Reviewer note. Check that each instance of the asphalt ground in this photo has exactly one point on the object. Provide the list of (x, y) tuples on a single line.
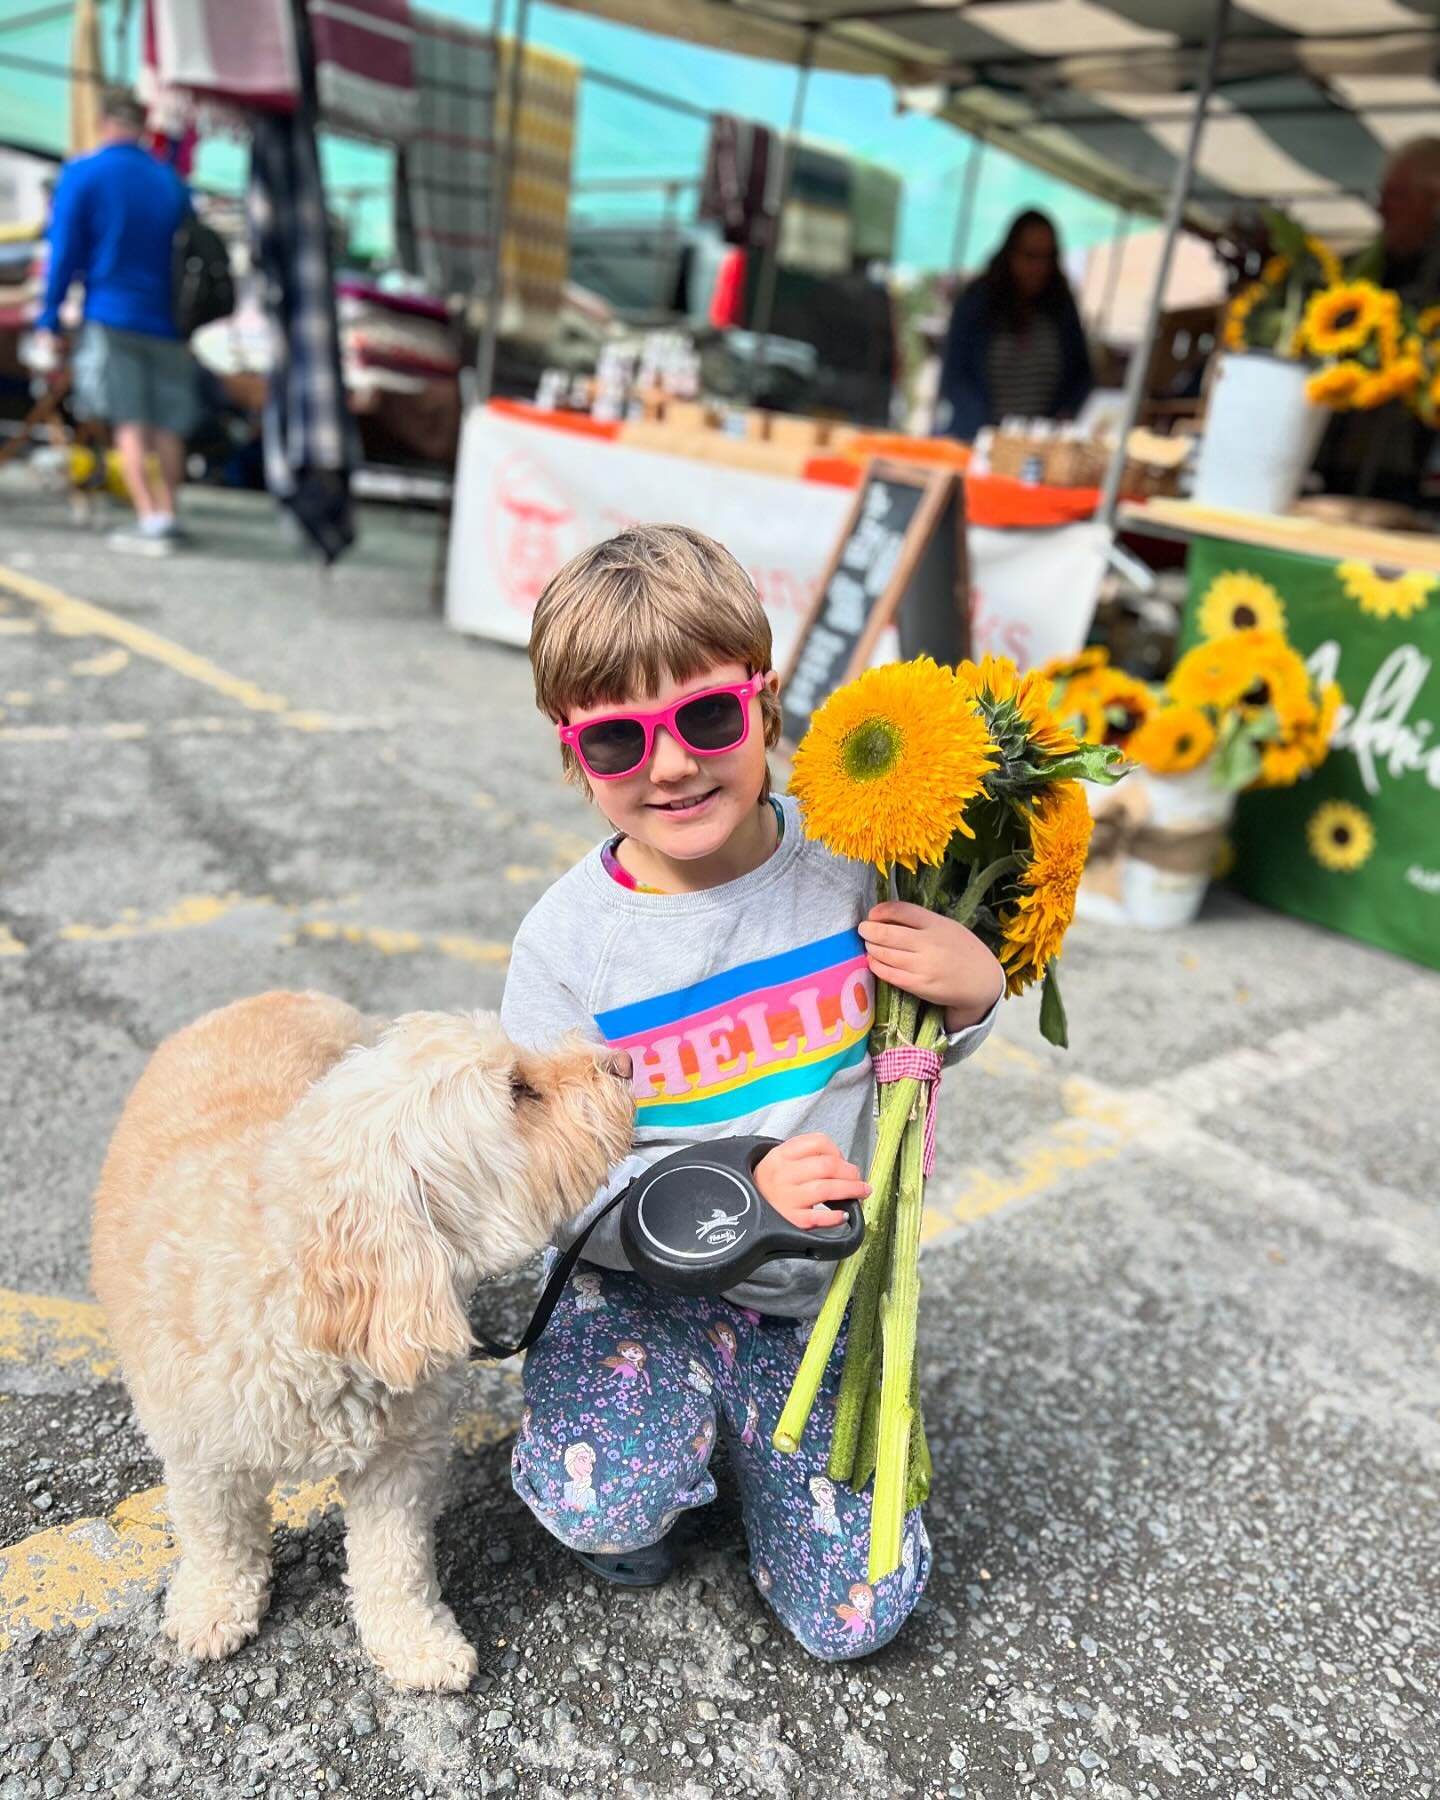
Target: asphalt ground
[(1179, 1328)]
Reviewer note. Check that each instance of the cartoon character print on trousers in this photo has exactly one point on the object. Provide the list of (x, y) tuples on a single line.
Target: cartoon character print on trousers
[(808, 1536), (589, 1291), (580, 1496), (628, 1362), (823, 1516), (726, 1344), (859, 1614)]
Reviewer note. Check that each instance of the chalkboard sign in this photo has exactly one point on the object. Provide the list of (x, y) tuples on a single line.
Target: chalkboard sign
[(899, 560)]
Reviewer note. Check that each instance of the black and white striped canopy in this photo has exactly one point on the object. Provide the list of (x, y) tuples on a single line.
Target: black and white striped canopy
[(1311, 98)]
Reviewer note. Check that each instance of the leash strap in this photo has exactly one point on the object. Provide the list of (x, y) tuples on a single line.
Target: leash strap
[(554, 1287)]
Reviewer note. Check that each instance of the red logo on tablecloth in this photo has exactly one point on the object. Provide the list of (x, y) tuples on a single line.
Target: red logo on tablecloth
[(533, 530)]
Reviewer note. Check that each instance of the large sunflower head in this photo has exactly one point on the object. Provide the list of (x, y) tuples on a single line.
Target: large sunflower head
[(1033, 926), (1279, 678), (1016, 708), (1341, 318), (889, 764), (1236, 601), (1173, 740)]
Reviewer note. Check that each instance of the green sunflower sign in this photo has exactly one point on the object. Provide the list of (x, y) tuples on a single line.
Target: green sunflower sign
[(1357, 845)]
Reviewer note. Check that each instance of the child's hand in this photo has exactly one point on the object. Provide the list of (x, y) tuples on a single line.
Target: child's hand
[(801, 1175), (925, 954)]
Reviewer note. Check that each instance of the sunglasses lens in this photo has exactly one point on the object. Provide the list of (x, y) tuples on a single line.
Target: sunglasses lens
[(711, 722), (613, 746)]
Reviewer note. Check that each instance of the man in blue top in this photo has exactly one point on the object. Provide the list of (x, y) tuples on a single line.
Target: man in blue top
[(113, 227)]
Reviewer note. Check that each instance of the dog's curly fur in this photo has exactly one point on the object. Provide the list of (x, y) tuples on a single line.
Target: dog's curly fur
[(294, 1209)]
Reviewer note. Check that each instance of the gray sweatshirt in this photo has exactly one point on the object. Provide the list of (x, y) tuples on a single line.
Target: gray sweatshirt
[(744, 1008)]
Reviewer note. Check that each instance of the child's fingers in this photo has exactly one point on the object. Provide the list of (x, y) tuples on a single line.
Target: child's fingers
[(900, 912), (814, 1218), (822, 1164), (890, 937), (896, 973), (807, 1144), (822, 1192)]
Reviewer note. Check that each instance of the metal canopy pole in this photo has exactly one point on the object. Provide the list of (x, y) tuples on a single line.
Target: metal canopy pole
[(965, 217), (1174, 219), (1112, 270), (485, 358), (770, 268)]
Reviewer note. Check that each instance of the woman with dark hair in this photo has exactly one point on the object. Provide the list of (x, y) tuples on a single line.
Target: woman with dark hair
[(1015, 347)]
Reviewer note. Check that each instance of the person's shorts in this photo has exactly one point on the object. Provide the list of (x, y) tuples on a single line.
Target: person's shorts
[(128, 378)]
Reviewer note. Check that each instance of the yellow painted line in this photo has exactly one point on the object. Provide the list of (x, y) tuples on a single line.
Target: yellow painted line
[(18, 627), (82, 618), (69, 1334), (108, 662), (210, 726), (10, 945), (188, 912), (392, 942), (76, 1574), (18, 697)]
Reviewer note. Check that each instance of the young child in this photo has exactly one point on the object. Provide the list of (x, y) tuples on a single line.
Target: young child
[(735, 961)]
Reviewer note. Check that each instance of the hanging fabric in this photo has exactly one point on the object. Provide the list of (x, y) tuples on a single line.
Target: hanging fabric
[(365, 67), (445, 180), (310, 440), (239, 55)]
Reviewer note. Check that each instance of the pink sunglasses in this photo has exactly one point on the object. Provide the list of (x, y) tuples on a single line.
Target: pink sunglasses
[(708, 723)]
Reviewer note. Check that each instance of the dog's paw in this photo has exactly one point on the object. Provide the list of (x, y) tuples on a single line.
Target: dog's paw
[(439, 1662), (209, 1639), (211, 1622)]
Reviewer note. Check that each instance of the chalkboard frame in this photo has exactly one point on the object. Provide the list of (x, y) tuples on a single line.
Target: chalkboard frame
[(941, 488)]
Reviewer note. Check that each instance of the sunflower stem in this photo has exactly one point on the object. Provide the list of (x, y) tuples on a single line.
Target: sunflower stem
[(964, 910), (899, 1316), (869, 1428), (861, 1343), (897, 1105)]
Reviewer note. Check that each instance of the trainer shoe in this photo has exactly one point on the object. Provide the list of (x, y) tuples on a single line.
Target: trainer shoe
[(133, 541)]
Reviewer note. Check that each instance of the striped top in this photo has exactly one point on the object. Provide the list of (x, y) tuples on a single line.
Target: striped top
[(1024, 369)]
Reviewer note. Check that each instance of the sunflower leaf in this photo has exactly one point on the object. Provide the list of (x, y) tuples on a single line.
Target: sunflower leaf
[(1091, 762), (1054, 1026), (1237, 760)]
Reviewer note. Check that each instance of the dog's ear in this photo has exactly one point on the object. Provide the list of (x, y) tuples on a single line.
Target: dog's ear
[(378, 1277)]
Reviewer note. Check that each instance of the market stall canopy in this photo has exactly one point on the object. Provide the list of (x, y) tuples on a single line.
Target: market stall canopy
[(1311, 95)]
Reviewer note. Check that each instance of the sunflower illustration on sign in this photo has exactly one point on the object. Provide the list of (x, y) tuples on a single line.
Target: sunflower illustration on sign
[(1236, 601), (1341, 836), (1386, 596)]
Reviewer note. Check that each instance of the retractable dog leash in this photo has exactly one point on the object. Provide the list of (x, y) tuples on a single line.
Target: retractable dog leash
[(695, 1223)]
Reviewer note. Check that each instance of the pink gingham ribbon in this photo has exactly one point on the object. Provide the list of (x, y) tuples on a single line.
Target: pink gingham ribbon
[(908, 1062)]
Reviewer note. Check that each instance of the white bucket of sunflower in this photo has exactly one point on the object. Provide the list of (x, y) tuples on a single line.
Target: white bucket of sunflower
[(1261, 434), (1156, 843)]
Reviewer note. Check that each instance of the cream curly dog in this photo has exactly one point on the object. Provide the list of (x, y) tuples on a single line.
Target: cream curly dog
[(294, 1209)]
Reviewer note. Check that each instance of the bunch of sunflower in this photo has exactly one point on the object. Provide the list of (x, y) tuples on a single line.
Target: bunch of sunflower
[(962, 787), (1272, 723), (1242, 702), (1364, 340)]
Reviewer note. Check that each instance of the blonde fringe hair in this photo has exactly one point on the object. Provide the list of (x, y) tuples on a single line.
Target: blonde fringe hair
[(656, 601)]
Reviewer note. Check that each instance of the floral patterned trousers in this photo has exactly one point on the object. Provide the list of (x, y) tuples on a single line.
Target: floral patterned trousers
[(623, 1397)]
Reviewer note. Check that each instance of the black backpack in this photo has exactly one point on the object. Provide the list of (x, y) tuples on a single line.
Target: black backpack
[(202, 289)]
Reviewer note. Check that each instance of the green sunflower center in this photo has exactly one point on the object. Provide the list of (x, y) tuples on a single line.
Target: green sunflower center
[(872, 749)]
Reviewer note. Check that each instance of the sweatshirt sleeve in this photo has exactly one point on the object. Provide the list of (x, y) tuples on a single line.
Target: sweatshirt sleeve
[(68, 239)]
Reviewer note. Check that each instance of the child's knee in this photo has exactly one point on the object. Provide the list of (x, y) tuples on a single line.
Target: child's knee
[(597, 1491)]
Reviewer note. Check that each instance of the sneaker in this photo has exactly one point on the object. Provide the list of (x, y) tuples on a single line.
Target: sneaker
[(135, 542), (645, 1567)]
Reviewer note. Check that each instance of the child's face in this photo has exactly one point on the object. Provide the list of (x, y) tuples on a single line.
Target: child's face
[(681, 805)]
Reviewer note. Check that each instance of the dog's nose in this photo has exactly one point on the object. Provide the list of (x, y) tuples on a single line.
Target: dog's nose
[(618, 1062)]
